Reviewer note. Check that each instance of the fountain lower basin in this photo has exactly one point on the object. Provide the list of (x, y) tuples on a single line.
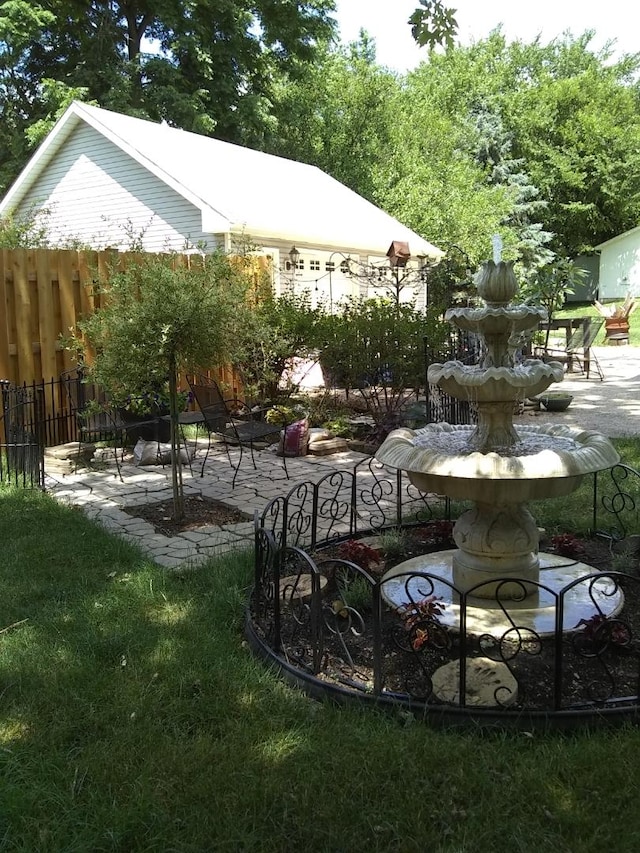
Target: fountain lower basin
[(549, 461), (498, 537)]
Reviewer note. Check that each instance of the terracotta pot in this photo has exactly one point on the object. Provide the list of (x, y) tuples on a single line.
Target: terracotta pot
[(616, 326)]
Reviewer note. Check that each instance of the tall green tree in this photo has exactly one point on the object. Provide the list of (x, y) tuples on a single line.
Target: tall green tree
[(201, 65), (432, 182), (577, 126), (339, 115), (572, 119), (526, 237)]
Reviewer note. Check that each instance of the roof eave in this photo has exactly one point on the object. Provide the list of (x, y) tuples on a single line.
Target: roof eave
[(42, 155), (260, 234)]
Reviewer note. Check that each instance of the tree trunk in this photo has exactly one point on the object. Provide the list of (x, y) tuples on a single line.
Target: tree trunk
[(176, 466)]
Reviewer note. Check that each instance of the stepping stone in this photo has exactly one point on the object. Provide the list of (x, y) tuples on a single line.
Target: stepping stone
[(490, 684), (299, 586), (71, 450), (327, 446)]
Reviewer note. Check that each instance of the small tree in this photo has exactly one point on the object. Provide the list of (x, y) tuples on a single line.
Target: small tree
[(551, 285), (160, 316)]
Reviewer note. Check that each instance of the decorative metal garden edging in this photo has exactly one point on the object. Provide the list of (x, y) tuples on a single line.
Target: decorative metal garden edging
[(328, 626)]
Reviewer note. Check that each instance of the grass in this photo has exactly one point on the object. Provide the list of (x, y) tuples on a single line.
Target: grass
[(586, 309), (134, 718)]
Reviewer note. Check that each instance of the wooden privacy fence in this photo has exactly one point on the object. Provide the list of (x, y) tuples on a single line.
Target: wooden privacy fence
[(43, 294)]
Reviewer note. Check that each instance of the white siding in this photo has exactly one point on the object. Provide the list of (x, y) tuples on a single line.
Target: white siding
[(620, 267), (97, 195), (319, 274)]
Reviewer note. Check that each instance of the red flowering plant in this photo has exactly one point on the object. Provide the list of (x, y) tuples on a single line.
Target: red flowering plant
[(419, 617), (442, 530), (600, 632), (568, 545), (360, 553)]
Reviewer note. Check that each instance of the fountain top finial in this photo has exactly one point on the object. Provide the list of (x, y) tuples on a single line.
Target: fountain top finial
[(496, 282)]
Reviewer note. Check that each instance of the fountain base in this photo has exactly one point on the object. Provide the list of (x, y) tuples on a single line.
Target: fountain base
[(535, 613)]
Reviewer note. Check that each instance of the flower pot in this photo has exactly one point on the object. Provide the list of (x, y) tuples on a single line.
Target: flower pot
[(555, 402), (615, 326)]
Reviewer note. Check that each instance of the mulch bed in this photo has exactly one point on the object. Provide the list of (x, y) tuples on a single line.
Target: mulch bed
[(594, 668), (200, 511)]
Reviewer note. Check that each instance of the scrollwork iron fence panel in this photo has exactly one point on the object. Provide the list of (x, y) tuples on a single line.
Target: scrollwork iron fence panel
[(333, 508), (616, 491), (416, 640), (350, 610), (375, 495), (605, 643), (299, 593), (338, 622), (265, 601)]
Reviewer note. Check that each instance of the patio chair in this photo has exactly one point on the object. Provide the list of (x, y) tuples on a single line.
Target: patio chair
[(104, 423), (232, 421), (578, 349)]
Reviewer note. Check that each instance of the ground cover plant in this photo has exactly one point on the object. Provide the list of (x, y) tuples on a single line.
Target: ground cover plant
[(134, 718)]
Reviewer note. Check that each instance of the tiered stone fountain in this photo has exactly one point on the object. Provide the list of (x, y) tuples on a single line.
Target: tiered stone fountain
[(500, 468)]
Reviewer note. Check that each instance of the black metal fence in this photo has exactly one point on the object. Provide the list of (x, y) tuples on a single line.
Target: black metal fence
[(331, 627), (460, 346), (22, 435)]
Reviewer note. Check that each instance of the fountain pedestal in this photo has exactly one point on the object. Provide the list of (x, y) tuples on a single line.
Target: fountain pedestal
[(496, 541)]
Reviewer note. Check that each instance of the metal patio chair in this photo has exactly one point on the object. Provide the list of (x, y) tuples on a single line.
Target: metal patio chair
[(102, 423), (232, 421), (578, 349)]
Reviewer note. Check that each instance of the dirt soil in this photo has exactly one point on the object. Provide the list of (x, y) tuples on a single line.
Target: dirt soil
[(200, 511)]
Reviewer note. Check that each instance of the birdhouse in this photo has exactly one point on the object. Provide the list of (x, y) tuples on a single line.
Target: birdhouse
[(398, 254)]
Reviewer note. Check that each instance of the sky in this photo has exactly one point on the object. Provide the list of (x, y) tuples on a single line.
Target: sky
[(386, 21)]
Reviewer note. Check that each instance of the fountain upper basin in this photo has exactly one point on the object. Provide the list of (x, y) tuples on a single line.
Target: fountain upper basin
[(491, 320), (495, 383), (549, 461)]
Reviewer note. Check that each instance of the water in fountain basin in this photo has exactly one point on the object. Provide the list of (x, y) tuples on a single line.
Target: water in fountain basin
[(458, 444)]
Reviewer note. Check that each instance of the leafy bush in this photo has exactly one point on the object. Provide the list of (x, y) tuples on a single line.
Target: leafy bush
[(339, 427), (274, 331), (376, 347)]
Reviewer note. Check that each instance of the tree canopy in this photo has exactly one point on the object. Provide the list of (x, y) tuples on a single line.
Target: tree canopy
[(540, 143), (205, 66)]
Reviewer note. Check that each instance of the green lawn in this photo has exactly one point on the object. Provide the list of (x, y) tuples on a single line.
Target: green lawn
[(135, 719), (582, 309)]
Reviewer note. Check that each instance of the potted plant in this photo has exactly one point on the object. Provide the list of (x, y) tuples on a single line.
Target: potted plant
[(555, 401)]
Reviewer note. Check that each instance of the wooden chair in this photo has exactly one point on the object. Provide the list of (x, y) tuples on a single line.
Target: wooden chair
[(578, 348), (234, 422)]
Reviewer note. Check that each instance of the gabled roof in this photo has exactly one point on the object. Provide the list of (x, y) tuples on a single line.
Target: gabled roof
[(237, 189), (618, 237)]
